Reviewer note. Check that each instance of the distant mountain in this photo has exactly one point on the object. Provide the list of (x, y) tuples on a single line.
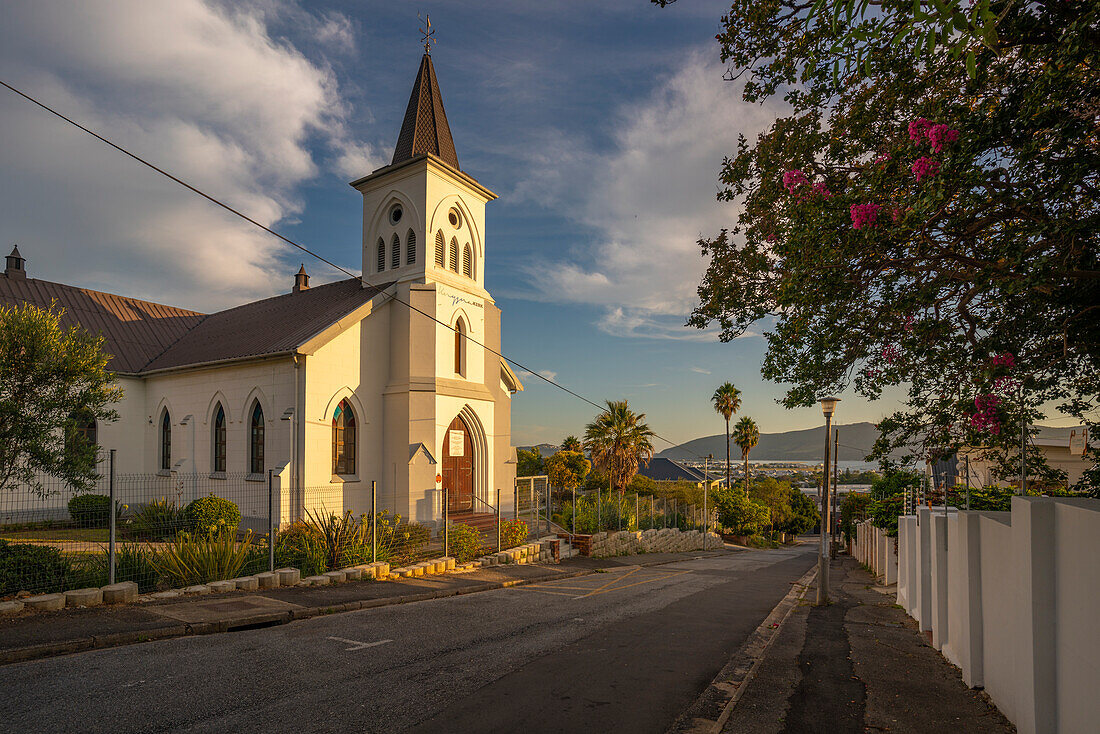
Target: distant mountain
[(546, 449), (856, 440)]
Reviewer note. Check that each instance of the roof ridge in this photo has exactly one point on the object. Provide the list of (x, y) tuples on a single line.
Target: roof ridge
[(115, 295)]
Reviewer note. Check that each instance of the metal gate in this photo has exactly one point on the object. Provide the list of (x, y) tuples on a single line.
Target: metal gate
[(532, 504)]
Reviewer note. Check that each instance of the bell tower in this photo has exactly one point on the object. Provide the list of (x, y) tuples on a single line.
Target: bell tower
[(423, 217)]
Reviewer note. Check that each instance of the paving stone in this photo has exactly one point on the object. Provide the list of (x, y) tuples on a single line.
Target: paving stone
[(246, 583), (267, 580), (84, 597), (170, 594), (404, 572), (196, 590), (317, 580), (10, 607), (120, 593), (46, 602), (352, 574), (288, 576), (336, 577), (220, 587)]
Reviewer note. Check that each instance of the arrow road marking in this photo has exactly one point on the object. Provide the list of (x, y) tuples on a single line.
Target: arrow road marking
[(357, 645)]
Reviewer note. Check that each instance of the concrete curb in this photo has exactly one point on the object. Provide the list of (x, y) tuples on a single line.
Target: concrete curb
[(271, 619), (712, 709)]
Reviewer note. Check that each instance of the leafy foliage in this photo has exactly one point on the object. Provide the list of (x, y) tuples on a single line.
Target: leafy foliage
[(854, 509), (739, 514), (91, 510), (572, 443), (926, 218), (512, 533), (529, 463), (727, 401), (212, 515), (746, 435), (618, 441), (567, 469), (133, 562), (158, 519), (37, 567), (464, 541), (343, 537), (804, 515), (48, 375)]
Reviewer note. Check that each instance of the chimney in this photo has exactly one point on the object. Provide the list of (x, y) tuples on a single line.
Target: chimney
[(15, 265), (301, 280)]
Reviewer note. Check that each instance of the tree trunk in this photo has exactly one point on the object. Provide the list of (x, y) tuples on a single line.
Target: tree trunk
[(746, 473)]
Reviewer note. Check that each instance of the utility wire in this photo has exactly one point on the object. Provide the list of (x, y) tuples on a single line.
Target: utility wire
[(310, 252)]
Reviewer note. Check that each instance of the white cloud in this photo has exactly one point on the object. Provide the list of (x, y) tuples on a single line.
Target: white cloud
[(649, 200), (207, 92), (548, 374), (700, 370)]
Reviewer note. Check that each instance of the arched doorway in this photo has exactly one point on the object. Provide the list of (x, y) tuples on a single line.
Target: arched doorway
[(458, 467)]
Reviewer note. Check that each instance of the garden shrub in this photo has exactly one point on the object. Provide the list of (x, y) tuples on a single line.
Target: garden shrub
[(199, 559), (26, 567), (211, 514), (133, 562), (342, 536), (738, 513), (297, 547), (159, 519), (514, 532), (464, 541), (410, 538), (90, 510)]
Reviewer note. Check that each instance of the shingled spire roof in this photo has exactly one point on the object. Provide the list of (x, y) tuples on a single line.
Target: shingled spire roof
[(425, 129)]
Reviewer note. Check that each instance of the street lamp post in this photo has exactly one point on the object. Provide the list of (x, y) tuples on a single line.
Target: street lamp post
[(828, 406)]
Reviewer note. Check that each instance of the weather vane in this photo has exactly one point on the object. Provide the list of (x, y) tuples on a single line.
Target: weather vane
[(429, 33)]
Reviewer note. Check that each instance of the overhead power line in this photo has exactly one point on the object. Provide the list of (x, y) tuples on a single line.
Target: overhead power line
[(308, 251)]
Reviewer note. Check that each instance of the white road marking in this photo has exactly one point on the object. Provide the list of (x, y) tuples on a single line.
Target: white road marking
[(357, 645)]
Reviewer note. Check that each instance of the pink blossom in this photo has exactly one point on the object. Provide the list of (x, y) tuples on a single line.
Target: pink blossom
[(940, 135), (918, 129), (925, 167), (883, 158), (822, 189), (895, 214), (908, 320), (1005, 359), (985, 416), (793, 179), (863, 215), (891, 353)]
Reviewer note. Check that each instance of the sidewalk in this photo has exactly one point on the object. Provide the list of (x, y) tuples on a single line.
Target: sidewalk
[(43, 634), (857, 665)]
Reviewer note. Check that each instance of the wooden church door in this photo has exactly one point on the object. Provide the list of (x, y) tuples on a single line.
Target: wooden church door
[(458, 467)]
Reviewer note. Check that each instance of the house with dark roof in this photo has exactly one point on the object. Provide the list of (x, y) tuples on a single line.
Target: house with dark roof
[(393, 377), (669, 470)]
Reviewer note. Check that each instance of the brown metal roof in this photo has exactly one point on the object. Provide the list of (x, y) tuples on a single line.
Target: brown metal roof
[(272, 326), (425, 128), (143, 336), (135, 331)]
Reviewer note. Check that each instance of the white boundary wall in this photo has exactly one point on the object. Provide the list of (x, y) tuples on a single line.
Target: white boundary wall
[(1009, 597)]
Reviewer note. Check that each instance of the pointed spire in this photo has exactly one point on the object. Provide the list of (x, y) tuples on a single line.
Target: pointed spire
[(425, 129), (15, 264), (301, 280)]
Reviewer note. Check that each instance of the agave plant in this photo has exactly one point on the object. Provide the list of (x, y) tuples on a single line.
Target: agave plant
[(203, 558), (344, 537)]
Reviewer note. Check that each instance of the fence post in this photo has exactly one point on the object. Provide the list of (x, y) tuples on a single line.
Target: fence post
[(515, 502), (373, 521), (446, 528), (270, 521), (574, 510), (548, 491), (498, 521), (114, 513)]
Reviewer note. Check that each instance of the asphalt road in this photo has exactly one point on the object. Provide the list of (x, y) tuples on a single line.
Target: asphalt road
[(625, 650)]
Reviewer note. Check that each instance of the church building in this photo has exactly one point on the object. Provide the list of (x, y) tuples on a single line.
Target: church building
[(382, 378)]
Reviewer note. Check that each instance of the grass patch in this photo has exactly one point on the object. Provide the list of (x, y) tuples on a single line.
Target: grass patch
[(73, 535)]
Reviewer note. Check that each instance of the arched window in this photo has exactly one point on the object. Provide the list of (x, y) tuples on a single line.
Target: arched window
[(460, 347), (454, 255), (219, 439), (395, 258), (381, 254), (467, 262), (165, 442), (343, 440), (410, 248), (80, 433), (440, 250), (256, 441)]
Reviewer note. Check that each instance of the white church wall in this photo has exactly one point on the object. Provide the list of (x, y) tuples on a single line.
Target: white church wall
[(126, 435), (190, 396)]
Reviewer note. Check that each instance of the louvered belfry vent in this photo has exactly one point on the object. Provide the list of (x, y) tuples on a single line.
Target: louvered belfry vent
[(425, 128)]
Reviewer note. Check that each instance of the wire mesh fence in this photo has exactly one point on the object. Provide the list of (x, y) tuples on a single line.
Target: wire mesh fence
[(173, 530)]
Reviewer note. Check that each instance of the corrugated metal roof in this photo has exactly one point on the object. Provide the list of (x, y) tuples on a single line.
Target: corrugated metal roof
[(271, 326), (143, 336), (135, 331)]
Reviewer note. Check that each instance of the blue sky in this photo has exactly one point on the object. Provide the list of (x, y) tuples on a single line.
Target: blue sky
[(602, 127)]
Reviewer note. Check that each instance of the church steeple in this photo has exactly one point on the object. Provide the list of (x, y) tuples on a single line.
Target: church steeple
[(425, 128)]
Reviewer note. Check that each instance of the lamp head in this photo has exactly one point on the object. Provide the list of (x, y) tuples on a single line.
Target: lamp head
[(828, 405)]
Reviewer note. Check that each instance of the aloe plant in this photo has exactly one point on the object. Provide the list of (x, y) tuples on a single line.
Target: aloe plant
[(200, 559)]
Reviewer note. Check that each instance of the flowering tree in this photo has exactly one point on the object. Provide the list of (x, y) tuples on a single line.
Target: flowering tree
[(927, 217)]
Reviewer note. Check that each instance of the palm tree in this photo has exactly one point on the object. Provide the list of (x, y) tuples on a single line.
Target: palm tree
[(618, 440), (572, 443), (746, 435), (727, 401)]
